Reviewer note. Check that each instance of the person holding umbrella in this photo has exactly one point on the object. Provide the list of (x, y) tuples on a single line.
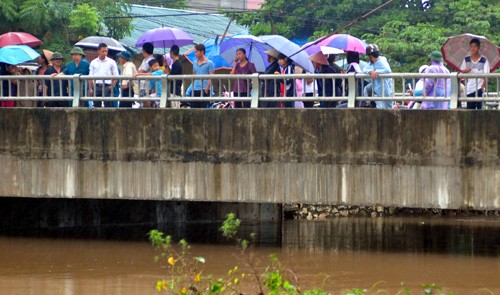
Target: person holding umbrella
[(475, 63), (325, 86), (242, 66)]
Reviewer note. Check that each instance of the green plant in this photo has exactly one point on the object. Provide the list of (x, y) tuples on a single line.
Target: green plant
[(186, 271)]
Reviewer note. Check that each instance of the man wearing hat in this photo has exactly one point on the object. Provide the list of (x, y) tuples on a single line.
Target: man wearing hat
[(79, 65), (56, 87), (270, 86), (325, 86), (128, 69), (381, 87), (436, 87)]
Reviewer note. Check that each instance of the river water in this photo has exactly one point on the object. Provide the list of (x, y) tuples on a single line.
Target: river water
[(460, 254)]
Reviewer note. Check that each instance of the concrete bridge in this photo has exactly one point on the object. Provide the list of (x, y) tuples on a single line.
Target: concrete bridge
[(429, 159)]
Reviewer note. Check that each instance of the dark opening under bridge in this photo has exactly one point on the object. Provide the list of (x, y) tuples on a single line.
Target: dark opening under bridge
[(404, 158)]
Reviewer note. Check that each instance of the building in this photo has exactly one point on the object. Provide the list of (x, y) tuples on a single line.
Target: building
[(215, 5)]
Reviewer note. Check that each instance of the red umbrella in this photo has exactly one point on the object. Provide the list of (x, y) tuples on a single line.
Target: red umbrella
[(19, 38), (457, 47)]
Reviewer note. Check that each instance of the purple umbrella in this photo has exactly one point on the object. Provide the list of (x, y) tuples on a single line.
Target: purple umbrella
[(344, 42), (165, 38)]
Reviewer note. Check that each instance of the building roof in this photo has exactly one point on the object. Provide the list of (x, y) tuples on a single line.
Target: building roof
[(199, 25)]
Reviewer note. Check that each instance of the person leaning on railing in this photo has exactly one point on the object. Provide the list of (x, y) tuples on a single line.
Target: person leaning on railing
[(269, 87), (79, 65), (104, 66), (475, 63), (56, 88), (378, 87), (128, 70)]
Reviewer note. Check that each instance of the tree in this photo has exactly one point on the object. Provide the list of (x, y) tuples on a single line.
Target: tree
[(406, 30), (61, 23)]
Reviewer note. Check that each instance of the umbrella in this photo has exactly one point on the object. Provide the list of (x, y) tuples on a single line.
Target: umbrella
[(311, 48), (16, 54), (94, 41), (290, 49), (19, 38), (254, 47), (456, 48), (343, 41), (212, 53), (165, 38)]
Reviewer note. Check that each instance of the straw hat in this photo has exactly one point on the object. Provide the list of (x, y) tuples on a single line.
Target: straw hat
[(48, 54), (319, 58), (272, 52)]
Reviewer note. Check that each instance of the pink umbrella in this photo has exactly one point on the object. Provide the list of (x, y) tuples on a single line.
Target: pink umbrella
[(311, 49), (165, 38), (345, 42), (19, 38), (456, 48)]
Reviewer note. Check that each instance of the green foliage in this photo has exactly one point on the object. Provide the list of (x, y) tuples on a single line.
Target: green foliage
[(406, 30), (69, 20), (230, 226), (184, 271), (84, 20)]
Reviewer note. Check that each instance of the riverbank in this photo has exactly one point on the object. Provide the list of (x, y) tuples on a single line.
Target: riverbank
[(321, 212)]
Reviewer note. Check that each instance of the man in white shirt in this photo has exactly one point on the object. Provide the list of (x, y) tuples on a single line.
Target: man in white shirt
[(102, 66), (475, 63)]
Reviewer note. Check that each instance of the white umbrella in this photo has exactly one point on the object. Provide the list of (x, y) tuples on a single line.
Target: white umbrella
[(289, 49), (94, 41)]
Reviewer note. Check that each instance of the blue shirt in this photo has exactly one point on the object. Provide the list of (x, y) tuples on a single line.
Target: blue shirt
[(83, 68), (381, 66), (156, 84), (204, 69)]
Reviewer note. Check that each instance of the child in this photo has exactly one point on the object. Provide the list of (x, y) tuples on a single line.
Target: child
[(155, 85)]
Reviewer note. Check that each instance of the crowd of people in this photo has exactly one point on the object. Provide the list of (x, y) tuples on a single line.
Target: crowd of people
[(279, 64)]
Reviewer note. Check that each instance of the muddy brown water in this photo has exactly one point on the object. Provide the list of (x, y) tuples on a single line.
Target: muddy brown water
[(460, 254)]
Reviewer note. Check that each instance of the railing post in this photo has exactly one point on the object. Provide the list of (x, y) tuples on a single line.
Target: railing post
[(455, 91), (164, 91), (255, 91), (76, 90), (351, 99)]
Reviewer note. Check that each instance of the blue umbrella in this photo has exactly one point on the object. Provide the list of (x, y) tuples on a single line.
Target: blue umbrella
[(254, 47), (289, 49), (212, 53), (16, 54)]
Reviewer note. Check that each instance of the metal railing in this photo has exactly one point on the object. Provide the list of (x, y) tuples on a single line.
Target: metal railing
[(77, 90)]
